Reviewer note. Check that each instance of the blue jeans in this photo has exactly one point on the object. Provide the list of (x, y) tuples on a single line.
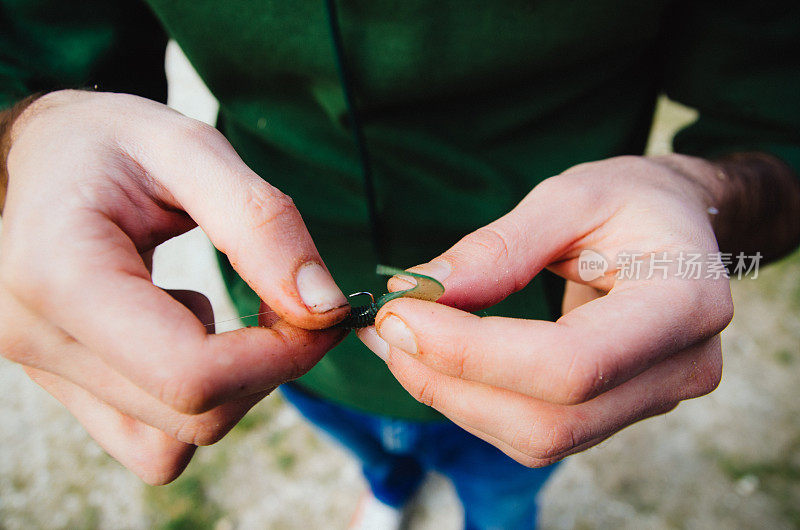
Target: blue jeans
[(496, 491)]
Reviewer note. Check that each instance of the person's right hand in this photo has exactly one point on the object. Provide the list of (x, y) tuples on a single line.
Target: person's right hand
[(96, 181)]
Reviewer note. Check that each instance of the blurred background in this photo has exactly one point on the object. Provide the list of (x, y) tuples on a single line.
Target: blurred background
[(728, 460)]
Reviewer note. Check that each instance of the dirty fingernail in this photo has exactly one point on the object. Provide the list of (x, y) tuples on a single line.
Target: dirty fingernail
[(317, 289), (372, 341), (394, 331)]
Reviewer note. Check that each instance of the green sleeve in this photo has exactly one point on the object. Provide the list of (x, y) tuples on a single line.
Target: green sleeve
[(736, 62), (49, 45)]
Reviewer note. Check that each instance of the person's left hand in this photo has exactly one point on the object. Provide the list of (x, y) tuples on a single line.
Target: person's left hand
[(541, 390)]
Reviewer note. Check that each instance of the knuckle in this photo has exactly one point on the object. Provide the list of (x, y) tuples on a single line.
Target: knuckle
[(187, 394), (20, 337), (527, 460), (265, 205), (707, 374), (296, 368), (724, 312), (35, 280), (297, 365), (455, 360), (714, 308), (205, 431), (561, 439), (553, 184), (531, 462), (543, 443), (582, 381), (162, 468), (524, 439), (713, 373), (12, 346), (666, 408), (615, 163), (209, 435), (492, 240), (158, 458), (627, 160), (425, 392), (197, 132), (534, 462), (553, 187), (573, 189), (499, 244), (15, 277)]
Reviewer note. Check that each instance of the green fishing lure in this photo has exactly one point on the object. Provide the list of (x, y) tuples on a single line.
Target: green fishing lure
[(427, 288)]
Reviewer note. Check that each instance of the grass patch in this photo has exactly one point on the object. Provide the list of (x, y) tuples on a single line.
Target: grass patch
[(779, 479), (249, 422), (286, 461), (259, 415), (182, 505), (784, 357)]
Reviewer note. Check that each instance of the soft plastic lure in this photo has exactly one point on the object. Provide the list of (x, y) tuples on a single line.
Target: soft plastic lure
[(427, 288)]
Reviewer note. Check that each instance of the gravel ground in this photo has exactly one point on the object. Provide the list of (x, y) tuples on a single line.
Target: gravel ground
[(728, 460)]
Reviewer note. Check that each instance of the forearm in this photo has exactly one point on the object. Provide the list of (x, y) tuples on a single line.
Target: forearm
[(760, 206), (7, 119), (753, 200)]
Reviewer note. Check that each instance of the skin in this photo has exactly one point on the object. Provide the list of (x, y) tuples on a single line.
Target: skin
[(96, 182), (625, 349)]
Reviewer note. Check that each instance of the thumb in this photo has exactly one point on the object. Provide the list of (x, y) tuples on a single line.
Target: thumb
[(502, 257)]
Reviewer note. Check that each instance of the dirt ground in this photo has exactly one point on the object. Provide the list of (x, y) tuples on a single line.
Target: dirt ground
[(727, 460)]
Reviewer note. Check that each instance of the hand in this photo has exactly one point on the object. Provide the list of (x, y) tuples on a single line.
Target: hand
[(541, 390), (96, 181)]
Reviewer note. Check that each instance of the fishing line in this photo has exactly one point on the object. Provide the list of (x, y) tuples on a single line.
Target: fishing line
[(236, 318)]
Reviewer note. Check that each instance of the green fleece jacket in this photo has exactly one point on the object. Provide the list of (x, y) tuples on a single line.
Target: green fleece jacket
[(466, 105)]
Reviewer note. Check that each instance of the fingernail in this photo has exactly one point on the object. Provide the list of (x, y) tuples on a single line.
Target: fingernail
[(317, 289), (372, 341), (439, 269), (394, 331)]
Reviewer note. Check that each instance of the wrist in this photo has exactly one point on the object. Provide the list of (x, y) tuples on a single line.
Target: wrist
[(752, 199), (702, 181), (762, 205)]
